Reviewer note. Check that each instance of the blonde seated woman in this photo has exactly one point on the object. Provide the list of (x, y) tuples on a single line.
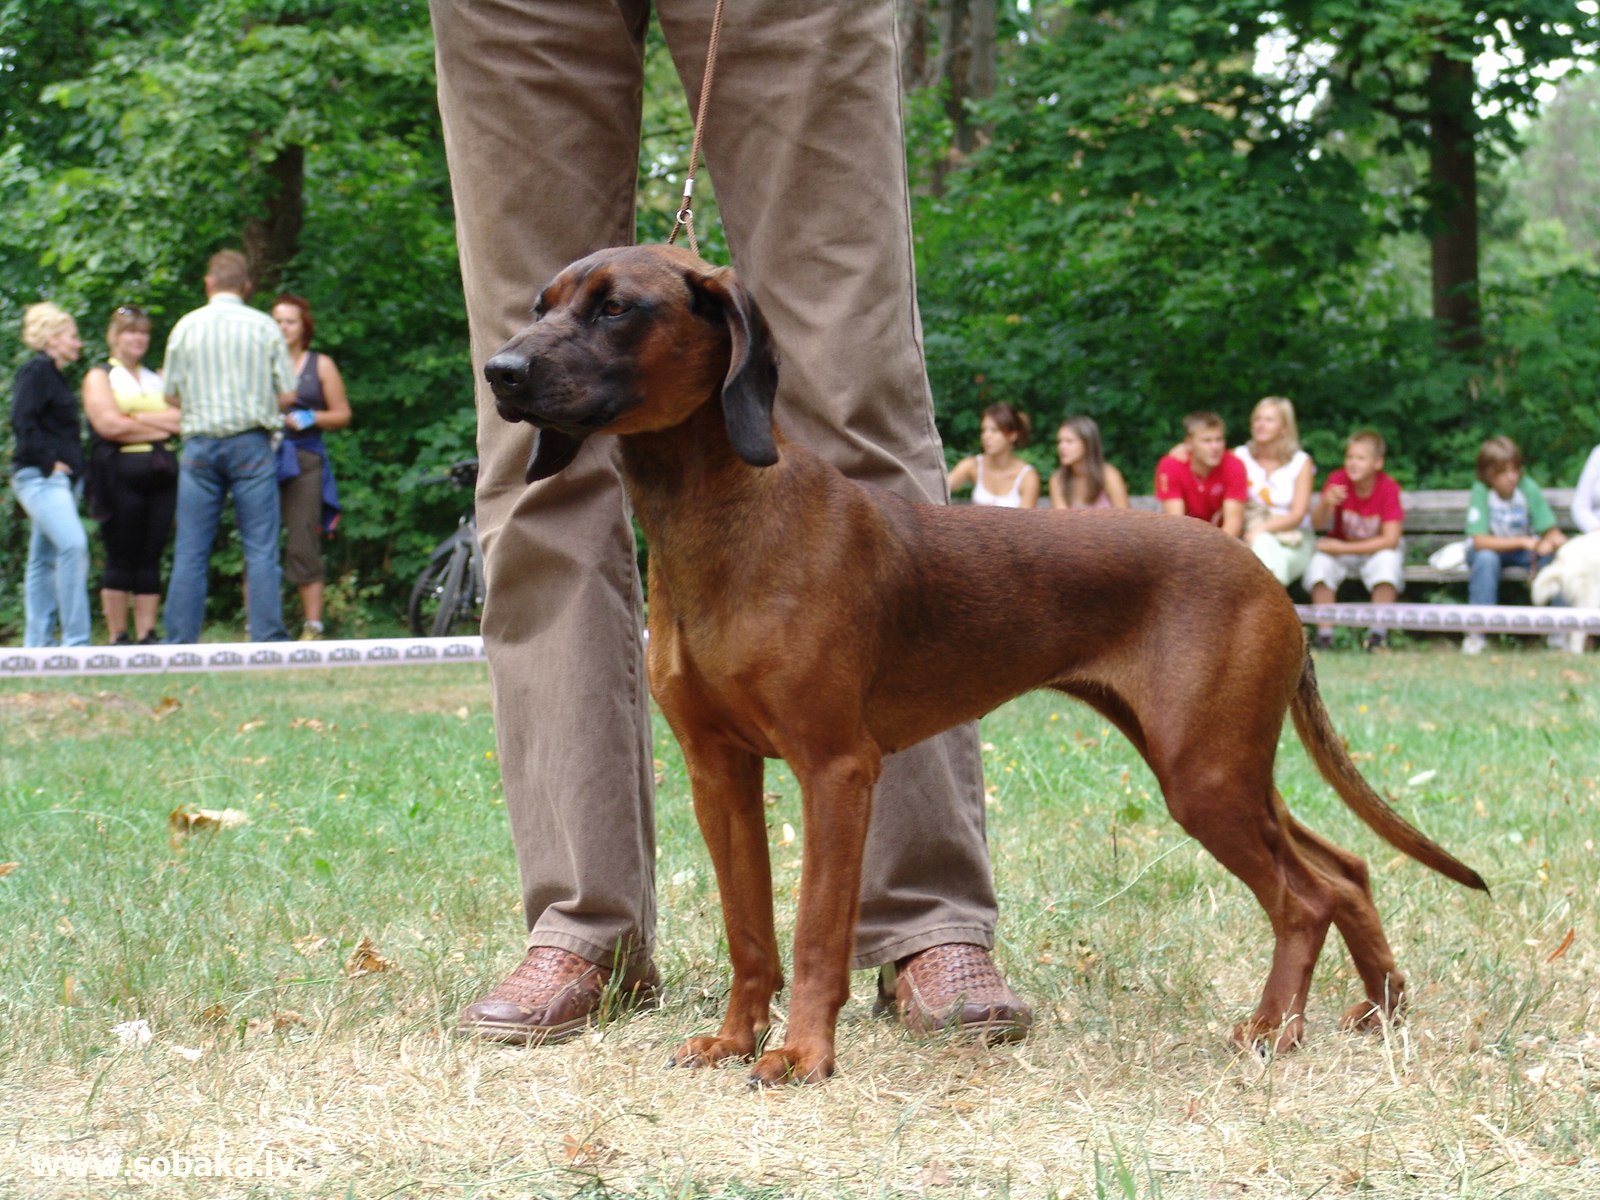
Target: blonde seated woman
[(1084, 479), (997, 476), (1277, 517)]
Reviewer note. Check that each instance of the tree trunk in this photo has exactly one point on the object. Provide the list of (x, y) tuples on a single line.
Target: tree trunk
[(271, 241), (1453, 184)]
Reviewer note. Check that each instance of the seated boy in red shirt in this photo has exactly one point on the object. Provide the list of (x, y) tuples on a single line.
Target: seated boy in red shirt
[(1212, 485), (1359, 506)]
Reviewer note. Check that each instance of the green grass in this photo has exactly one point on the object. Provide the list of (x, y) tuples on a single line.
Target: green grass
[(374, 813)]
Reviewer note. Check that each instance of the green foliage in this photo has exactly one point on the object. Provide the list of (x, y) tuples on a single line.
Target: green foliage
[(1162, 220)]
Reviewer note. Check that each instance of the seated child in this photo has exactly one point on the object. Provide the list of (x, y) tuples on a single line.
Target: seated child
[(1509, 524), (1359, 506), (1212, 484)]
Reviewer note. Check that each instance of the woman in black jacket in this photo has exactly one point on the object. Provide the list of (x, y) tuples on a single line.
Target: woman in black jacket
[(48, 462)]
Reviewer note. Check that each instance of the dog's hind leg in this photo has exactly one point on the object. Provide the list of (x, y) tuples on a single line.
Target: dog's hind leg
[(726, 786), (1358, 922), (1229, 807)]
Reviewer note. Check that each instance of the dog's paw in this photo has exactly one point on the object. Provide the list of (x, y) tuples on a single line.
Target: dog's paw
[(1366, 1015), (709, 1051), (783, 1065), (1261, 1036)]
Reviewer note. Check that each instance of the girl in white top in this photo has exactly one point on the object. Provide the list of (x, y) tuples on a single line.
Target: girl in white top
[(998, 477), (1278, 512)]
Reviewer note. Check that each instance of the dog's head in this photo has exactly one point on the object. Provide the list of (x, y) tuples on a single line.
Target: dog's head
[(635, 339)]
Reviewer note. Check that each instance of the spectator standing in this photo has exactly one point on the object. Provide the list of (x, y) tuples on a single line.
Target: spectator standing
[(804, 137), (1361, 511), (228, 371), (1586, 496), (1277, 515), (47, 464), (308, 495), (997, 476), (1084, 478), (1208, 483), (133, 475), (1509, 524)]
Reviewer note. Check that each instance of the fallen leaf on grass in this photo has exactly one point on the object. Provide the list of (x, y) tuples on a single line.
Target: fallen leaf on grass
[(276, 1023), (581, 1152), (181, 822), (1566, 944), (134, 1033), (309, 944), (165, 707), (935, 1174), (312, 723), (217, 1014), (70, 995), (186, 1052), (252, 726), (7, 868), (365, 959)]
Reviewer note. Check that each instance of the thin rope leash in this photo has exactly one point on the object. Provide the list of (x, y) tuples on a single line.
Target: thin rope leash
[(685, 216)]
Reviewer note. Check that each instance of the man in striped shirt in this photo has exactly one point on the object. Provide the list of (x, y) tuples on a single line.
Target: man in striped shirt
[(228, 371)]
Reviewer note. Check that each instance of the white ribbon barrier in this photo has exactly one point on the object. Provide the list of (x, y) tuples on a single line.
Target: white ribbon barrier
[(54, 661), (1456, 618), (61, 661)]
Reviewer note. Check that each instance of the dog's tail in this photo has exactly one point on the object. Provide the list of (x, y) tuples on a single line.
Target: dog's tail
[(1327, 750)]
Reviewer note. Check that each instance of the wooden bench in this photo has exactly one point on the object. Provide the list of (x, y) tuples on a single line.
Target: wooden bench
[(1436, 518)]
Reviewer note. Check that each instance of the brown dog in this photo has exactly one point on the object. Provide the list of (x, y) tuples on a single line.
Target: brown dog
[(796, 614)]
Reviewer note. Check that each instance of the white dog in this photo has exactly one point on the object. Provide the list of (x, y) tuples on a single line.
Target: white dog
[(1573, 577)]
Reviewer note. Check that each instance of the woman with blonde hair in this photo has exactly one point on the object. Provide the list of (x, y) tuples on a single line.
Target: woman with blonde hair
[(133, 475), (1084, 479), (1277, 518), (998, 477), (47, 463)]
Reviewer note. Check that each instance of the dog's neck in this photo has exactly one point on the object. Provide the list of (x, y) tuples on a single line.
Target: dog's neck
[(675, 474)]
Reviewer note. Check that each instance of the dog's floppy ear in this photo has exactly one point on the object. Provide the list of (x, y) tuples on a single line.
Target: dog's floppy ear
[(752, 379), (552, 450)]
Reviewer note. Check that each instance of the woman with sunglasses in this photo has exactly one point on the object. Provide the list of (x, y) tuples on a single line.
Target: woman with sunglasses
[(133, 476)]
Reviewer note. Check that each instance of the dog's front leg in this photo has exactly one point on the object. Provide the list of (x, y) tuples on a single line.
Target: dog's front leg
[(726, 785), (836, 802)]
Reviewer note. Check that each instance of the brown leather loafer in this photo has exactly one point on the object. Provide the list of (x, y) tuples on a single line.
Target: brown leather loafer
[(955, 988), (553, 995)]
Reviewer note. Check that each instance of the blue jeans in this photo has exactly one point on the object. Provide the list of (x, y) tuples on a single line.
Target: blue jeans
[(212, 468), (1484, 585), (56, 583)]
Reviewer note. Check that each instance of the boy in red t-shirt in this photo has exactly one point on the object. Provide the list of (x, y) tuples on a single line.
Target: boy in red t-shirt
[(1212, 484), (1360, 508)]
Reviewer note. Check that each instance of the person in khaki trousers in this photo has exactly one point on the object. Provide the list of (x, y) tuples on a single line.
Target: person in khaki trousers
[(541, 105)]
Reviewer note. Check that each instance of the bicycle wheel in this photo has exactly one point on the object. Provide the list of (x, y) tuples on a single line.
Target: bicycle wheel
[(446, 594)]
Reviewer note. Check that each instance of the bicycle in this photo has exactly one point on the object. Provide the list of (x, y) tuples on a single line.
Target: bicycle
[(450, 589)]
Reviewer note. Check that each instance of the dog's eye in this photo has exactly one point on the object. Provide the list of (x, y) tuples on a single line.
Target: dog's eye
[(614, 307)]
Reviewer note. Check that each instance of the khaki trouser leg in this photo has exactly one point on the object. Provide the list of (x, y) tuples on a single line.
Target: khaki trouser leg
[(803, 141)]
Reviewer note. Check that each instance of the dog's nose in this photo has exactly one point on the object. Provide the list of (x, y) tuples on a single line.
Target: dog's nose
[(506, 372)]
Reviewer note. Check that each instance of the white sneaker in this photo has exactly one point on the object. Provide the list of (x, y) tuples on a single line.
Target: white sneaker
[(1556, 641), (1576, 642), (1473, 643)]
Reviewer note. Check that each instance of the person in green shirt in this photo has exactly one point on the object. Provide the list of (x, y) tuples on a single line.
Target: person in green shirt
[(1509, 524)]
